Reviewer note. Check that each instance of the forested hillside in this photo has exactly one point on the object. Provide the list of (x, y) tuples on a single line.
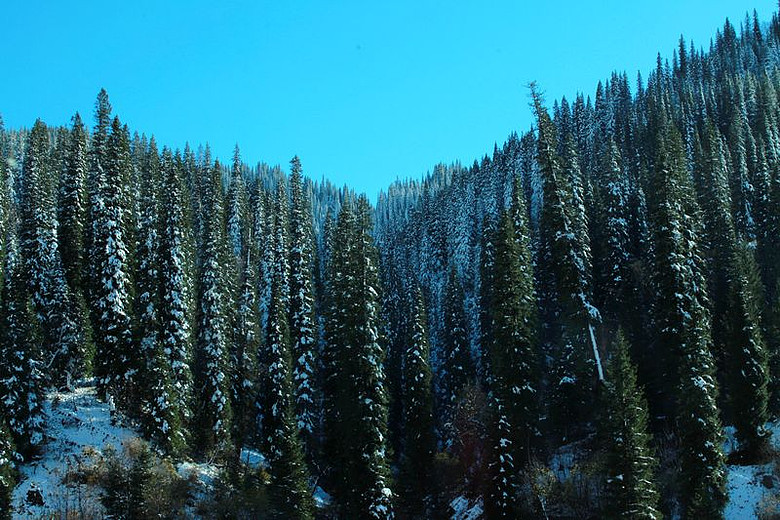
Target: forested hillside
[(585, 323)]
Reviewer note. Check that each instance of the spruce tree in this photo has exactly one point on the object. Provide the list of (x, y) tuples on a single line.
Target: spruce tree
[(682, 323), (174, 387), (419, 443), (289, 488), (147, 280), (513, 380), (246, 345), (735, 327), (356, 400), (631, 490), (613, 218), (98, 163), (237, 209), (115, 360), (458, 369), (213, 414), (7, 472), (513, 354), (47, 286), (20, 371), (302, 319), (565, 256), (72, 206)]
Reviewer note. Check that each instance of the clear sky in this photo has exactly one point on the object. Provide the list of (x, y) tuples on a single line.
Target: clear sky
[(363, 91)]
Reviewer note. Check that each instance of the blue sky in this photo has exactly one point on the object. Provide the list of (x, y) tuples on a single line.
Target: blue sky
[(363, 92)]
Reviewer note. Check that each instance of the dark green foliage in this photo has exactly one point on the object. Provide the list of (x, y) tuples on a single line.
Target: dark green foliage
[(683, 324), (513, 353), (303, 325), (355, 395), (176, 293), (419, 443), (288, 488), (21, 381), (246, 344), (138, 485), (7, 471), (513, 366), (48, 289), (72, 206), (565, 256), (631, 490), (212, 345), (115, 360), (458, 366), (735, 327)]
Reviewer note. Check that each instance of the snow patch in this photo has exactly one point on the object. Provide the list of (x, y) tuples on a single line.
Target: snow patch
[(77, 424), (463, 509)]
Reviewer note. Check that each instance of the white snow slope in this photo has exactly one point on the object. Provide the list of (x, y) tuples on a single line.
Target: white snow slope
[(76, 421)]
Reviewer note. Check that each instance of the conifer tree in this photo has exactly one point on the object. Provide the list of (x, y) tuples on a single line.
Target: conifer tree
[(289, 488), (7, 470), (237, 209), (613, 221), (577, 362), (98, 163), (631, 490), (683, 324), (276, 263), (175, 386), (244, 356), (514, 365), (419, 443), (458, 364), (47, 286), (736, 331), (501, 494), (115, 361), (213, 415), (72, 206), (20, 371), (147, 280), (302, 320), (356, 401)]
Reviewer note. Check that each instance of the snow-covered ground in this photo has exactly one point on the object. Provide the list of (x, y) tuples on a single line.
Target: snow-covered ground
[(462, 509), (747, 485), (746, 489), (77, 423)]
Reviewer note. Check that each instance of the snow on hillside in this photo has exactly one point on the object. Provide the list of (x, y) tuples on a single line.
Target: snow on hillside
[(77, 422)]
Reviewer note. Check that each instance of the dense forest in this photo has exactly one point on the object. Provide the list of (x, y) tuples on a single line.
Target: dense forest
[(602, 289)]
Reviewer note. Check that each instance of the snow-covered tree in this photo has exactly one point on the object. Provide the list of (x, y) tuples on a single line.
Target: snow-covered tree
[(682, 323), (564, 256), (631, 488), (175, 305), (289, 487), (212, 418), (419, 444), (356, 400), (62, 351), (7, 472), (115, 359), (736, 331), (246, 345), (458, 370), (21, 382), (303, 326), (72, 205)]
